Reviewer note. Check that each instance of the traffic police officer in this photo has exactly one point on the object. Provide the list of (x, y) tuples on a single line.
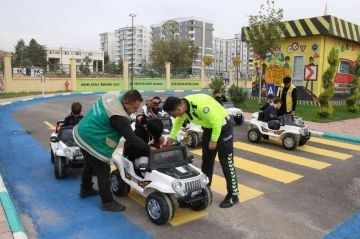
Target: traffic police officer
[(204, 110)]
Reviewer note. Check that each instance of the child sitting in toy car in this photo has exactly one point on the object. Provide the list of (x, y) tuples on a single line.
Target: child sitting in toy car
[(150, 130), (75, 116), (270, 115)]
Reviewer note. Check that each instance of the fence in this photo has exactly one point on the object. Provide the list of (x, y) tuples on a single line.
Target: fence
[(49, 71)]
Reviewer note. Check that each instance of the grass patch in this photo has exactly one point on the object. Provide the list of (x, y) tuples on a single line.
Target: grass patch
[(307, 112), (21, 94)]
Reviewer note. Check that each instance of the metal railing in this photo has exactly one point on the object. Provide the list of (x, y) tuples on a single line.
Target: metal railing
[(49, 71)]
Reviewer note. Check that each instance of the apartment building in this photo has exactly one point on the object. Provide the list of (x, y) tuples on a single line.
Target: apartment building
[(188, 28), (62, 56), (107, 44), (225, 50), (121, 46)]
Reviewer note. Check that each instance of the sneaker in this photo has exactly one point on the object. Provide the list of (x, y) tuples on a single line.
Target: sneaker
[(112, 206), (87, 193), (229, 201)]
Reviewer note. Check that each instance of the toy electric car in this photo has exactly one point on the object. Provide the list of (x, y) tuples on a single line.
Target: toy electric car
[(63, 150), (168, 175), (191, 133), (291, 131), (235, 114)]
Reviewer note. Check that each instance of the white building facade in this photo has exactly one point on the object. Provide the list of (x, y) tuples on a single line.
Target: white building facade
[(62, 55), (120, 45)]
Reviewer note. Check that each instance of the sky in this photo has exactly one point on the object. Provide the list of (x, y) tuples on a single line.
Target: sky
[(78, 23)]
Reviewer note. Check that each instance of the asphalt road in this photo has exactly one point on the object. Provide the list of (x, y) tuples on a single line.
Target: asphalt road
[(301, 194)]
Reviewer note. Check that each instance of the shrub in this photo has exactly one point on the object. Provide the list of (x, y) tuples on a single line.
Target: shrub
[(351, 102), (326, 108), (237, 95), (218, 84)]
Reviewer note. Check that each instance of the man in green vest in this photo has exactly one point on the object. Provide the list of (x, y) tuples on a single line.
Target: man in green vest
[(204, 110), (288, 95), (98, 135)]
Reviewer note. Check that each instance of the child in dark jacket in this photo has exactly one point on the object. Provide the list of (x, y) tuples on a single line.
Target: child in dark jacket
[(75, 116)]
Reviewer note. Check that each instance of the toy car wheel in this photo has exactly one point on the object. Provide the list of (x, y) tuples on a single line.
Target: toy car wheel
[(160, 208), (60, 167), (203, 204), (290, 142), (193, 140), (302, 142), (254, 135), (118, 185), (52, 158)]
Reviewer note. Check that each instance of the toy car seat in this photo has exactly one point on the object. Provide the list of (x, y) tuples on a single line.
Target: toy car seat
[(141, 164), (261, 116)]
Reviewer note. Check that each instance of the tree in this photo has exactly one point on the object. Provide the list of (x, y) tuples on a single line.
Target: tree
[(218, 84), (236, 62), (324, 98), (36, 54), (351, 102), (208, 60), (181, 54), (265, 32), (20, 54)]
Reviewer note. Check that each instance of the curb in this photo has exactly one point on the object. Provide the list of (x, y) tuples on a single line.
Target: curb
[(331, 136), (100, 92), (12, 218)]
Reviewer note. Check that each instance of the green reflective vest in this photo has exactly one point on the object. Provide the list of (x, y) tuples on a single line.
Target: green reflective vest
[(94, 133)]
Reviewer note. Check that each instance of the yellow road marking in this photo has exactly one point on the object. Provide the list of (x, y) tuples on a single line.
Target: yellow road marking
[(261, 169), (281, 156), (315, 150), (49, 125), (335, 143), (182, 215)]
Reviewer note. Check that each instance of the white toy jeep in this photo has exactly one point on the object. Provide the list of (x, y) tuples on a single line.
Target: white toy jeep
[(235, 114), (291, 131), (168, 175), (64, 152)]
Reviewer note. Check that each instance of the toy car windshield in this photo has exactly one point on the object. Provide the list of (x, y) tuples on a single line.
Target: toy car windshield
[(65, 133), (228, 105), (174, 156)]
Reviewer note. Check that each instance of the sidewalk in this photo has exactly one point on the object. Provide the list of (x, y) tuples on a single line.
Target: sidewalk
[(5, 232), (350, 127)]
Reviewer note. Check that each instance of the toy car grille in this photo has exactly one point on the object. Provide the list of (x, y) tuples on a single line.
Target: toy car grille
[(77, 152), (192, 186)]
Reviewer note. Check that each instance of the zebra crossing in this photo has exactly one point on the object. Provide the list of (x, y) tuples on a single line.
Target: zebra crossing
[(313, 157)]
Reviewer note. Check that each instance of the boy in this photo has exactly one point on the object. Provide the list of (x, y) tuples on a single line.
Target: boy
[(270, 115), (152, 107), (75, 116), (219, 97), (150, 131), (270, 99)]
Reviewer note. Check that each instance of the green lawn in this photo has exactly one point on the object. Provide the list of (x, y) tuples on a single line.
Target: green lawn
[(307, 112), (20, 94)]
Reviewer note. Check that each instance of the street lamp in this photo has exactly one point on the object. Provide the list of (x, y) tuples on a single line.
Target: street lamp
[(132, 50)]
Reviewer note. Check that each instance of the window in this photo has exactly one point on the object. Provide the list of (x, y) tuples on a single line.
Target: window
[(298, 71), (345, 68)]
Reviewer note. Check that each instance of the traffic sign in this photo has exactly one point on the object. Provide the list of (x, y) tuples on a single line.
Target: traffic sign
[(270, 89), (310, 72)]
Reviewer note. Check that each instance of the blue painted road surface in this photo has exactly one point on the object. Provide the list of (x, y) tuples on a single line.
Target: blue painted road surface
[(54, 205), (350, 229)]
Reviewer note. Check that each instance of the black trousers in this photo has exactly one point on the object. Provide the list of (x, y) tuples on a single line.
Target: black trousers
[(102, 171), (226, 156)]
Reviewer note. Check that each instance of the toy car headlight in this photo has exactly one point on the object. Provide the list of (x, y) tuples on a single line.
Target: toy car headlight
[(301, 130), (68, 153), (204, 179), (177, 185)]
